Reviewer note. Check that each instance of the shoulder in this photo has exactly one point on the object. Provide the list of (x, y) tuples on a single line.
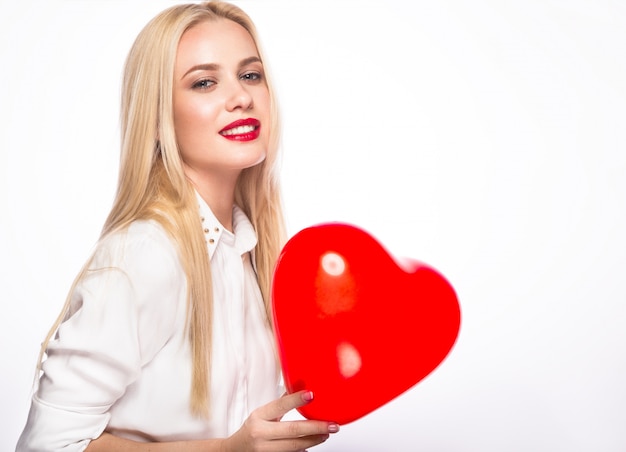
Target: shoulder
[(143, 250), (139, 233), (135, 275), (133, 290)]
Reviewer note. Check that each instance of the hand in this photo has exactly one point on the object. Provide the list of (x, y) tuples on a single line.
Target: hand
[(263, 432)]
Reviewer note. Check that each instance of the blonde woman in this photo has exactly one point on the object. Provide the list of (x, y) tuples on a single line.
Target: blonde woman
[(165, 341)]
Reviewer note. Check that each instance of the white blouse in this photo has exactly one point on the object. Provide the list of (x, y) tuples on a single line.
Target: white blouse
[(121, 360)]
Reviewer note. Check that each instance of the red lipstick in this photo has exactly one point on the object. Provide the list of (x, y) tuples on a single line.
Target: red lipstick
[(242, 130)]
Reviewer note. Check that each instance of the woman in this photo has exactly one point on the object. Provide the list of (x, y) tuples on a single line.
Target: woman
[(165, 341)]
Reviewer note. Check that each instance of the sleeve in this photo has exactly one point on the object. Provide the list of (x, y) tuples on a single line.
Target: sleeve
[(122, 312)]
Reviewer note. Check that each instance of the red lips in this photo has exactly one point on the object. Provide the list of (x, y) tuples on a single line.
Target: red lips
[(242, 130)]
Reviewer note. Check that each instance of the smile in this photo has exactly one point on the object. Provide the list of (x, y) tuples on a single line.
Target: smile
[(242, 130), (238, 130)]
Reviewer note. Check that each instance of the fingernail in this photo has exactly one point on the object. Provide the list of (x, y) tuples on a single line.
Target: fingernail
[(333, 428), (307, 396)]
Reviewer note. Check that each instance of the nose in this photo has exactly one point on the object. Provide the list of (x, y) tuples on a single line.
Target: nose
[(239, 97)]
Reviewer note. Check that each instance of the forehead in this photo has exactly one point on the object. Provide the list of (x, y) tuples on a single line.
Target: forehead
[(219, 41)]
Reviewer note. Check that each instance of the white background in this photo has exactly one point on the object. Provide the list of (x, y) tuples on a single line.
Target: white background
[(486, 138)]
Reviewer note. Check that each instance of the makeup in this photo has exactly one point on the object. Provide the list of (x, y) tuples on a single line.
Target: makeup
[(242, 130)]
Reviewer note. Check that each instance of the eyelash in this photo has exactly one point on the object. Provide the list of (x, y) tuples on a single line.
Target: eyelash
[(205, 83), (252, 76)]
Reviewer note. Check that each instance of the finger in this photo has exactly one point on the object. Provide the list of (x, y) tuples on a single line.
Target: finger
[(297, 444), (297, 429), (279, 407)]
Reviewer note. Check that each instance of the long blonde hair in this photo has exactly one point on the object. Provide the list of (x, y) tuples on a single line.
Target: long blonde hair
[(152, 184)]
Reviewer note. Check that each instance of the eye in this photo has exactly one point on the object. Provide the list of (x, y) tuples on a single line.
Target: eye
[(203, 84), (252, 76)]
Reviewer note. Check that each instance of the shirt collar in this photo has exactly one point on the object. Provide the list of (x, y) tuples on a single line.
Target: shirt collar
[(243, 237)]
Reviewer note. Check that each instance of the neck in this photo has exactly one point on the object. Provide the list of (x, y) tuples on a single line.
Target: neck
[(218, 191)]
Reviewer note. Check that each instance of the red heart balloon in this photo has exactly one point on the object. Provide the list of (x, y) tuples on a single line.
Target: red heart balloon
[(353, 325)]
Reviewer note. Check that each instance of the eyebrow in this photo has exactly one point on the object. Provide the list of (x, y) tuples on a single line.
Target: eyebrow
[(214, 66)]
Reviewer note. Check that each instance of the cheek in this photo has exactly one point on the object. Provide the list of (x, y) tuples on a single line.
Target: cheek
[(263, 106), (193, 121), (181, 119), (264, 98)]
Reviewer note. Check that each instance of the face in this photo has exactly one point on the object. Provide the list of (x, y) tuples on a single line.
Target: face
[(221, 100)]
